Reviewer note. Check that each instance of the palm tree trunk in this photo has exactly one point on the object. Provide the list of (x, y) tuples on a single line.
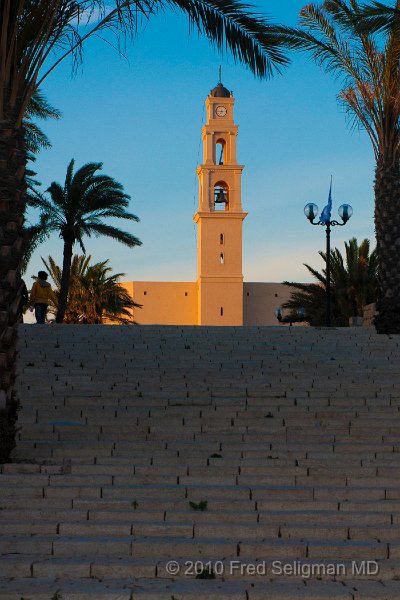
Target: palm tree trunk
[(12, 208), (387, 227), (65, 279)]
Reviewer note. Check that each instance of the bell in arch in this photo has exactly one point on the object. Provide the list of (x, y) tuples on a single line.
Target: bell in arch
[(220, 196)]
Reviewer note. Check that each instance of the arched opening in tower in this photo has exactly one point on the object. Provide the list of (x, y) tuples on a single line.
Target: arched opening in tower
[(220, 148), (221, 196)]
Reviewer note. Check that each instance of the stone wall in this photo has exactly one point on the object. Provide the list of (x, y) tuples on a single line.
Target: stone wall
[(164, 302), (260, 301), (176, 303)]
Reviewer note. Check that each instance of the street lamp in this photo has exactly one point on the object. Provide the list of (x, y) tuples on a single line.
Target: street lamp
[(311, 211)]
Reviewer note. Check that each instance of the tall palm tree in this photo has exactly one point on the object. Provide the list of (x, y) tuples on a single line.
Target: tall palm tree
[(353, 285), (95, 294), (78, 208), (35, 37), (338, 36)]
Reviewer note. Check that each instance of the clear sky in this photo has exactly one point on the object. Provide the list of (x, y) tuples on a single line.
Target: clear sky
[(142, 118)]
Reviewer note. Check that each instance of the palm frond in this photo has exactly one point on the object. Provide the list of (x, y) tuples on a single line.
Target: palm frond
[(34, 235), (40, 108), (115, 213), (113, 232), (251, 38), (35, 138), (319, 37), (36, 199), (69, 176), (378, 17)]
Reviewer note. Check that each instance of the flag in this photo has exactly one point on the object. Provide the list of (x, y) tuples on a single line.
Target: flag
[(326, 213)]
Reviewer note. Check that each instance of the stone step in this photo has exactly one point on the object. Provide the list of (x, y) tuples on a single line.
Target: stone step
[(199, 528), (96, 567), (111, 589), (316, 518), (184, 547)]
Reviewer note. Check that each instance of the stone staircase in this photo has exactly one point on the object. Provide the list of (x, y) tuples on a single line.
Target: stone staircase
[(265, 459)]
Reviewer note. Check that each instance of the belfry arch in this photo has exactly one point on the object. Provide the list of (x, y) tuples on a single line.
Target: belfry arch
[(220, 151), (221, 196)]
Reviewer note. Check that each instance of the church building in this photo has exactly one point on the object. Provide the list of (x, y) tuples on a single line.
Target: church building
[(219, 296)]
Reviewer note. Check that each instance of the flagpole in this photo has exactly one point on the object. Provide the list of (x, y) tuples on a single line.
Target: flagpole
[(328, 275)]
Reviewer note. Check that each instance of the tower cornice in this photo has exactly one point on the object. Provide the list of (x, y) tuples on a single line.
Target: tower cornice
[(219, 214), (213, 168)]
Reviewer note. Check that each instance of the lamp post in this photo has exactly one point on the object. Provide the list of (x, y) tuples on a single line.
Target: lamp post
[(311, 211)]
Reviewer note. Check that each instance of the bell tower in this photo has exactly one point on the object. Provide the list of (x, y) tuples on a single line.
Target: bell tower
[(220, 216)]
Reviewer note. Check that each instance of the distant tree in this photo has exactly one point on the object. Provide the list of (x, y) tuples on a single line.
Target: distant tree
[(78, 208), (353, 285), (95, 295)]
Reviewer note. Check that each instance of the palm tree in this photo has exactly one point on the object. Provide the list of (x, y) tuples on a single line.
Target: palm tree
[(339, 37), (353, 285), (35, 37), (106, 300), (78, 208), (95, 295)]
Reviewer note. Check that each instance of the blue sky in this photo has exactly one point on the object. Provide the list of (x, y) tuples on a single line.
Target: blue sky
[(142, 118)]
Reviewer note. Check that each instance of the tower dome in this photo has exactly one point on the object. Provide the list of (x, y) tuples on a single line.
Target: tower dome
[(220, 92)]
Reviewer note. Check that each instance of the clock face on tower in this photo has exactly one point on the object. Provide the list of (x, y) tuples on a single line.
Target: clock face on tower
[(221, 111)]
